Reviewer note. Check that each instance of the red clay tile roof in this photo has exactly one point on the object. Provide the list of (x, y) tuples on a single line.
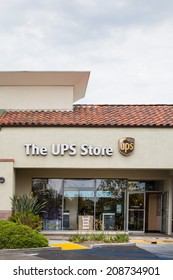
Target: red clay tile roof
[(94, 115)]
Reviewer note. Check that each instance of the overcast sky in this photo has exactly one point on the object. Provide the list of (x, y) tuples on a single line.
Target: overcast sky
[(127, 45)]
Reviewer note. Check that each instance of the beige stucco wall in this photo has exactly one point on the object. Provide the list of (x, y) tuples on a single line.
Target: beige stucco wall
[(152, 147), (36, 97), (7, 188)]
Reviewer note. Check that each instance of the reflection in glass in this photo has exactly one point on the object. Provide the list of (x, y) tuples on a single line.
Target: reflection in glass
[(136, 186), (79, 202), (110, 204), (136, 220), (136, 201), (98, 204), (136, 211), (50, 190)]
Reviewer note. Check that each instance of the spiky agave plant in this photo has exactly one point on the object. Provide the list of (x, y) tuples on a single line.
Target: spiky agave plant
[(27, 203)]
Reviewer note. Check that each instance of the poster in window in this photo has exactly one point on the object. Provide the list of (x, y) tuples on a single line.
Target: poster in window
[(118, 208)]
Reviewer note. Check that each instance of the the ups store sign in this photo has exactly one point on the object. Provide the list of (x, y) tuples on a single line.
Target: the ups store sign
[(126, 147)]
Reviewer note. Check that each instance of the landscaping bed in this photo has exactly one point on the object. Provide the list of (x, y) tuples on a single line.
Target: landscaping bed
[(102, 238)]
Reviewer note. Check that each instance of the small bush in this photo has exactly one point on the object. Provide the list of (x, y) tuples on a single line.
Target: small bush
[(28, 219), (16, 236), (78, 238), (96, 237), (118, 238), (121, 238)]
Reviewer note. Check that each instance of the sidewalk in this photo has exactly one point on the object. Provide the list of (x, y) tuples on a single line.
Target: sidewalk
[(151, 239)]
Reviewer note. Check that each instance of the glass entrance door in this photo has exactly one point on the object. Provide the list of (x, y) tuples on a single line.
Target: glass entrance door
[(136, 213)]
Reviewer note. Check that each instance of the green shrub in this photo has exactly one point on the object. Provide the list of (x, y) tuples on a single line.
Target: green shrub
[(28, 219), (108, 239), (121, 238), (118, 238), (96, 237), (78, 238), (15, 236)]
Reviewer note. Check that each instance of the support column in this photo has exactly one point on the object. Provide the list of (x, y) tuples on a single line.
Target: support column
[(170, 198), (7, 188)]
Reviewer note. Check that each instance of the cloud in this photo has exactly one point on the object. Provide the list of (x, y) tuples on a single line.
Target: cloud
[(126, 44)]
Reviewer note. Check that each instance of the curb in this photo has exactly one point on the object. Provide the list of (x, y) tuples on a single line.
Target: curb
[(28, 250), (34, 250), (112, 244)]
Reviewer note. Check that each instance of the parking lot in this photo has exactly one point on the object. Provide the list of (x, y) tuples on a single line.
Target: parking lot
[(118, 252)]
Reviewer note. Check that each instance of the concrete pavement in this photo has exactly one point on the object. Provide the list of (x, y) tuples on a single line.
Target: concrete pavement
[(151, 239)]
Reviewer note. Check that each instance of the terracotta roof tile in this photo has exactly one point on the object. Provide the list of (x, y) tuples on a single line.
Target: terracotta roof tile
[(94, 115)]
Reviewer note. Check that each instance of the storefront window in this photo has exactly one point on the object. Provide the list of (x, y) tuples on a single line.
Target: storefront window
[(110, 197), (92, 204), (136, 212), (79, 204), (136, 186), (141, 186), (50, 190)]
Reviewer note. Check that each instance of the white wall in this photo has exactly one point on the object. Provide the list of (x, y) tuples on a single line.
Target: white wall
[(36, 97)]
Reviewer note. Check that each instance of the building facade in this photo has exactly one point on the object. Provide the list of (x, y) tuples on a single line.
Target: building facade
[(99, 167)]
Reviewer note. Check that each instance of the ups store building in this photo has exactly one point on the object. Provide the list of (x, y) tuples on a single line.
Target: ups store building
[(99, 167)]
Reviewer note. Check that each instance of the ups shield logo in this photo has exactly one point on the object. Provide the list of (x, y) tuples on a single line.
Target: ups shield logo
[(126, 145)]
